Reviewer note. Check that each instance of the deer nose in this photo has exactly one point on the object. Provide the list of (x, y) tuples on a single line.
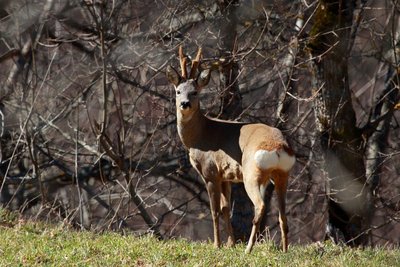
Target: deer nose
[(185, 104)]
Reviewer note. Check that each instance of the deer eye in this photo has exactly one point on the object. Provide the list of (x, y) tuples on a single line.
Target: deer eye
[(178, 92)]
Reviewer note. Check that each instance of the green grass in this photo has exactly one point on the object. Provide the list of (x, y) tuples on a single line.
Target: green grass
[(39, 244)]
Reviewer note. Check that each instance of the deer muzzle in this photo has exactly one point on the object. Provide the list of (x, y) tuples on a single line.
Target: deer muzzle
[(185, 105)]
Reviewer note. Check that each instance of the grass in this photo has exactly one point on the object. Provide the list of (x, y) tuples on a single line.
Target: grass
[(39, 244)]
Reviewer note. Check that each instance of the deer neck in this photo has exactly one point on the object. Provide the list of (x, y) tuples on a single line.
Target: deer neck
[(191, 128)]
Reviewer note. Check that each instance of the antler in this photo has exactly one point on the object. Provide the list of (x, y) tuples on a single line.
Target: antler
[(195, 64), (182, 60), (193, 68)]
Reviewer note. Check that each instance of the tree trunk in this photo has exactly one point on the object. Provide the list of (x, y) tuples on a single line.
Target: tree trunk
[(382, 113), (231, 108), (341, 141), (231, 100)]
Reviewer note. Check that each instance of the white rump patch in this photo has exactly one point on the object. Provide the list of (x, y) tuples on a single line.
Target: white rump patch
[(275, 159)]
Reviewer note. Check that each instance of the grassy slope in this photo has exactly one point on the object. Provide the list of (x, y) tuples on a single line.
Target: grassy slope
[(37, 244)]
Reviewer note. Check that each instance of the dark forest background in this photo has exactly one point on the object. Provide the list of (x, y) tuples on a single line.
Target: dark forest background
[(88, 134)]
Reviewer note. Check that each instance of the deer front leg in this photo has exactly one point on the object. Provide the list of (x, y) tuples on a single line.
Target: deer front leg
[(226, 212), (214, 193)]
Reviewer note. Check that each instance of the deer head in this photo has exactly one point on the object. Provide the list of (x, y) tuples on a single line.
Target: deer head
[(188, 88)]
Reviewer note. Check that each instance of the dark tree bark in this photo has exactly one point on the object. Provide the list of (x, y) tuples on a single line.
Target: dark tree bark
[(342, 145), (231, 100), (231, 108), (380, 125)]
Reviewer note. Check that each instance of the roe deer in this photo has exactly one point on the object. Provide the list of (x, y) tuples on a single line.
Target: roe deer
[(223, 152)]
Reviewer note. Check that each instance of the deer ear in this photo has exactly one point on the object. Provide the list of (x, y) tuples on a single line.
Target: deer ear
[(173, 76), (204, 78)]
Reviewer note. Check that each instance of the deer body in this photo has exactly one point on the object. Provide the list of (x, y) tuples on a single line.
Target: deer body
[(223, 152)]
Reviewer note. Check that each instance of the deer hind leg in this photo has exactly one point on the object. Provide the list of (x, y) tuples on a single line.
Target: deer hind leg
[(281, 180), (214, 193), (253, 188), (226, 212)]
